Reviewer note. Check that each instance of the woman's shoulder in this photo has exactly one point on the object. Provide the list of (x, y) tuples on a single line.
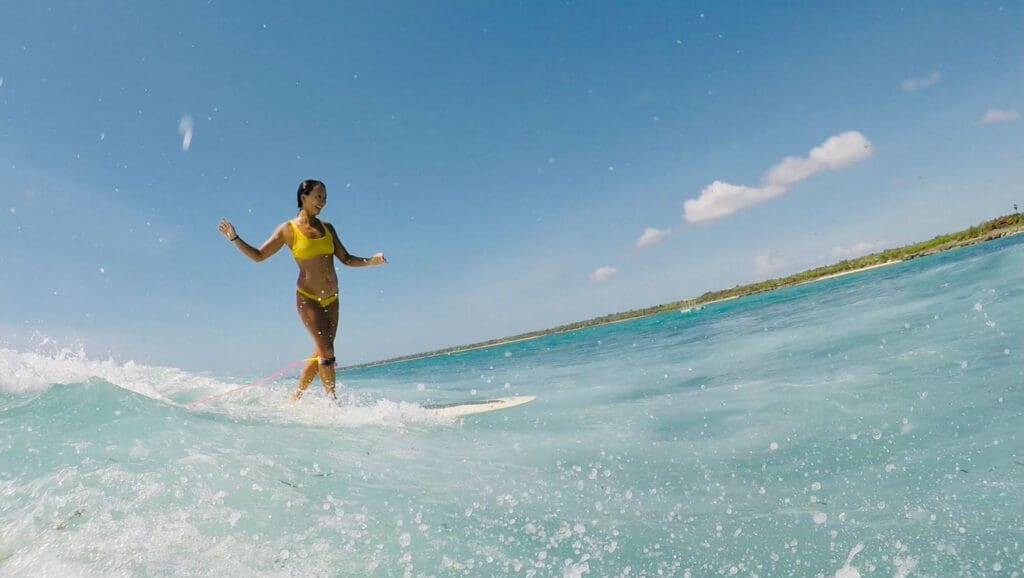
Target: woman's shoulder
[(285, 228)]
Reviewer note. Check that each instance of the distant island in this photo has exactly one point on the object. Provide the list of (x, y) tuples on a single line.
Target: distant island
[(992, 229)]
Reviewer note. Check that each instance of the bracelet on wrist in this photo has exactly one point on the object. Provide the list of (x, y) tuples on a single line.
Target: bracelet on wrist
[(233, 239)]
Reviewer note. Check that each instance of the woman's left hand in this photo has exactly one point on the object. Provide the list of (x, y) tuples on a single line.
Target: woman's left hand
[(227, 229)]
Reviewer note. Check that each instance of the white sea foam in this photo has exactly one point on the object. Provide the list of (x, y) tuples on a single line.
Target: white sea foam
[(24, 372), (848, 571), (317, 411), (30, 371)]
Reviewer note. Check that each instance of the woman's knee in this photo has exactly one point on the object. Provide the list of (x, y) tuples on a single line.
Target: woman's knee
[(326, 354)]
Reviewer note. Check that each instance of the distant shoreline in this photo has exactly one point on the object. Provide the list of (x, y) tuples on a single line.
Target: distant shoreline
[(994, 229), (852, 271)]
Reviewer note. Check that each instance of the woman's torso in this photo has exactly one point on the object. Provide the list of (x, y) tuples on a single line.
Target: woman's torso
[(312, 245)]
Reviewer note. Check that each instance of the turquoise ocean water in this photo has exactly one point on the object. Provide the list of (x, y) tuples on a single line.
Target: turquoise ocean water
[(866, 425)]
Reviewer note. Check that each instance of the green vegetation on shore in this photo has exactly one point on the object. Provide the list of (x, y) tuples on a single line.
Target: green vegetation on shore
[(993, 229)]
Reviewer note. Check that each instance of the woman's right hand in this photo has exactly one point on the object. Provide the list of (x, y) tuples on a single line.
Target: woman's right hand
[(227, 229)]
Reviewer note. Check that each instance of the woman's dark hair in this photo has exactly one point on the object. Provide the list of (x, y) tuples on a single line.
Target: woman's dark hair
[(306, 187)]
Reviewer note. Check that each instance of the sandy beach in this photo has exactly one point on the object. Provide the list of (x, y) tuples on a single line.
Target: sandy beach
[(852, 271)]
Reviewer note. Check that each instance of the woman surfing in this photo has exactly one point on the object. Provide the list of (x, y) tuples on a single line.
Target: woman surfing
[(314, 244)]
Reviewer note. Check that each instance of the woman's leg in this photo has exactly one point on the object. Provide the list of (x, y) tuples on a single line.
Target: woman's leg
[(306, 376), (322, 324), (327, 374)]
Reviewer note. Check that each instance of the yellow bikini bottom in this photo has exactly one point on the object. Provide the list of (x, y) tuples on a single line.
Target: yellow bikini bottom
[(322, 301)]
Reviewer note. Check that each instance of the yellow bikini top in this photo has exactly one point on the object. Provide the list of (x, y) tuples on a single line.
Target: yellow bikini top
[(303, 247)]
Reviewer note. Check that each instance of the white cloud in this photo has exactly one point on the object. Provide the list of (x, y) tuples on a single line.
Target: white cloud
[(994, 115), (915, 84), (858, 249), (765, 264), (185, 130), (792, 170), (720, 198), (603, 274), (651, 236), (843, 150), (835, 153)]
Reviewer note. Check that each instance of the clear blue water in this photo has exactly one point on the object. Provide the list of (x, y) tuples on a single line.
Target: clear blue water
[(866, 425)]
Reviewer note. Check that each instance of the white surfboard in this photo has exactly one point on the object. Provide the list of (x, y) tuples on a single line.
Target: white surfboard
[(462, 408)]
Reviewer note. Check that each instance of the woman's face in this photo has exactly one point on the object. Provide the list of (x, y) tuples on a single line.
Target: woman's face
[(315, 200)]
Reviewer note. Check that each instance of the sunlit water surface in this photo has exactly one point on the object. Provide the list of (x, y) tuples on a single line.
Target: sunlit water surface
[(867, 425)]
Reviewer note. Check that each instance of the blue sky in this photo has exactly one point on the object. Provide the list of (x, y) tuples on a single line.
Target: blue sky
[(522, 165)]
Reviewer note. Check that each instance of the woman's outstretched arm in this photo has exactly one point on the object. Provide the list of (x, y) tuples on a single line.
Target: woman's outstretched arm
[(351, 260), (272, 245)]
